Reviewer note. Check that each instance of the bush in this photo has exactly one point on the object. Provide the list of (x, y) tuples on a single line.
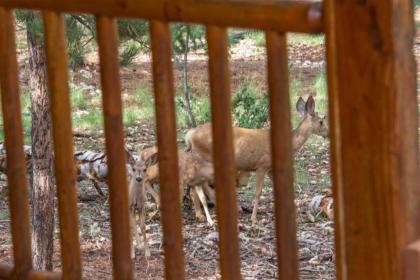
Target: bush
[(129, 52), (200, 108), (78, 99), (249, 109)]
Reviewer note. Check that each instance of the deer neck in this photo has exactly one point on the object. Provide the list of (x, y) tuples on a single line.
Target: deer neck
[(301, 134)]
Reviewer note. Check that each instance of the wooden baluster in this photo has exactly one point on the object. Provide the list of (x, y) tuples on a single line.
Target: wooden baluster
[(16, 166), (65, 173), (282, 155), (223, 153), (168, 151), (116, 156), (374, 138)]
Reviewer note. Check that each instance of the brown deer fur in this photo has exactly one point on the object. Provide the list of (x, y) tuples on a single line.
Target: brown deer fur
[(137, 205), (252, 146), (152, 173), (195, 173)]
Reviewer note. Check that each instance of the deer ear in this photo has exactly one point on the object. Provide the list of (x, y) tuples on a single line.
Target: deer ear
[(310, 106), (152, 160), (300, 106)]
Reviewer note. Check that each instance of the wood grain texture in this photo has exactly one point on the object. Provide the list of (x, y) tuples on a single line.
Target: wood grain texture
[(6, 271), (168, 152), (223, 153), (65, 173), (16, 166), (45, 275), (282, 155), (302, 16), (373, 109), (114, 144)]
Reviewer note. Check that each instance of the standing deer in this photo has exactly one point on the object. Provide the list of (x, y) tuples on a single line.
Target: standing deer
[(252, 146), (137, 203)]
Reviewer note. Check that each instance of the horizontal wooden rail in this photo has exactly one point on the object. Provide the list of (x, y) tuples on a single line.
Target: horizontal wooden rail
[(7, 272), (302, 16), (44, 275)]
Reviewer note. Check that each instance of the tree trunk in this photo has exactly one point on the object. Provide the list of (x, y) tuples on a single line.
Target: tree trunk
[(187, 97), (42, 149)]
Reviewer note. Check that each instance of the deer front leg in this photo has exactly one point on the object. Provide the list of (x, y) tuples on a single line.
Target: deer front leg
[(196, 203), (181, 191), (142, 221), (260, 173), (203, 201), (133, 226)]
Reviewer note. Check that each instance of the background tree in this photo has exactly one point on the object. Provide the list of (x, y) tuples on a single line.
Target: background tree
[(42, 188), (80, 32), (185, 38)]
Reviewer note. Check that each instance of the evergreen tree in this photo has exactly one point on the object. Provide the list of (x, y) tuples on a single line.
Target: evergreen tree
[(185, 38), (42, 189)]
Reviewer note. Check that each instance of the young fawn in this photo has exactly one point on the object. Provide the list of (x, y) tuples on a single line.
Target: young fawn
[(195, 174), (137, 203), (252, 146)]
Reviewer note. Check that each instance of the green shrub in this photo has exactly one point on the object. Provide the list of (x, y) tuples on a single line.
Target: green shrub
[(257, 36), (129, 52), (93, 119), (139, 109), (75, 42), (249, 109), (78, 100), (200, 106)]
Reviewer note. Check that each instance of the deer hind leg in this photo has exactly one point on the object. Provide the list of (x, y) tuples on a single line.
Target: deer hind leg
[(210, 193), (203, 201), (260, 173), (97, 187), (196, 203)]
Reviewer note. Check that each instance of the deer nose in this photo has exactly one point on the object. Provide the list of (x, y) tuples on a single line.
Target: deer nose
[(139, 179)]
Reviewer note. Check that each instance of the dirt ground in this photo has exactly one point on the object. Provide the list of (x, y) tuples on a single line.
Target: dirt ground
[(258, 257)]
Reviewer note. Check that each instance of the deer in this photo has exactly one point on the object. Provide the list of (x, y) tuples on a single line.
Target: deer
[(93, 166), (195, 173), (252, 149), (137, 203), (148, 157)]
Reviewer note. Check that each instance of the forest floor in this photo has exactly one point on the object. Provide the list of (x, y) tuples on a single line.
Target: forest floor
[(258, 252)]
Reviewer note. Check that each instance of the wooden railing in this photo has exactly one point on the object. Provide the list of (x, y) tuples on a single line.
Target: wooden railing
[(372, 111)]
